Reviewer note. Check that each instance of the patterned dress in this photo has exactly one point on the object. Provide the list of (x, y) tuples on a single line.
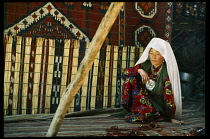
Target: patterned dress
[(136, 99)]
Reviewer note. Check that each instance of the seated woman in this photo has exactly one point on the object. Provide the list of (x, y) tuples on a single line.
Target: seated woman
[(151, 89)]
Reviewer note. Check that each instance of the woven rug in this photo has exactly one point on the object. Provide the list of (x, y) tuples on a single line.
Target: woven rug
[(95, 124)]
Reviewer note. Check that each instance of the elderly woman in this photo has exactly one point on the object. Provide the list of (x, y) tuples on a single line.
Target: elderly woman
[(151, 89)]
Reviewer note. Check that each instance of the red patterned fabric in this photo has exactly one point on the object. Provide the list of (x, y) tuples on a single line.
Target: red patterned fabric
[(61, 19), (136, 98)]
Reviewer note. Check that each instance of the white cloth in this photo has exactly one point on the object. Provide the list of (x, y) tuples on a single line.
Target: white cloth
[(173, 72)]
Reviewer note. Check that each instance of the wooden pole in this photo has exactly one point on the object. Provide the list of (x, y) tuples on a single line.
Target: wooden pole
[(74, 86)]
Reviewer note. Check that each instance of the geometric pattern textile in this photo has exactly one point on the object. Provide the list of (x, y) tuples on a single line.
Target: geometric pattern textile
[(38, 70), (143, 35), (168, 21), (79, 20), (155, 21), (146, 9), (46, 21)]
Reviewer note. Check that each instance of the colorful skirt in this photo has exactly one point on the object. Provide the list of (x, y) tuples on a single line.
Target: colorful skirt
[(136, 100)]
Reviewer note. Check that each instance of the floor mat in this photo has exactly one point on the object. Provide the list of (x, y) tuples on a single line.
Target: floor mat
[(96, 124)]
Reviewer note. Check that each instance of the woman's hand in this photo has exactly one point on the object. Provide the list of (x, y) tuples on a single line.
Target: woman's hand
[(177, 121), (144, 76)]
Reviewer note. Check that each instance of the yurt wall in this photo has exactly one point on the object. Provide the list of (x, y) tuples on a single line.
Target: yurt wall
[(188, 40), (44, 43)]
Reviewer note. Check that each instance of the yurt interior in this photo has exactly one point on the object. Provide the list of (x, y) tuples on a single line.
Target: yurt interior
[(63, 64)]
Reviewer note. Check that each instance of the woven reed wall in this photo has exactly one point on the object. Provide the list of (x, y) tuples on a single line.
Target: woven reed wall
[(37, 71)]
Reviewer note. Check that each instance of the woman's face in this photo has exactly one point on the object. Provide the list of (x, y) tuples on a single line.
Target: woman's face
[(155, 57)]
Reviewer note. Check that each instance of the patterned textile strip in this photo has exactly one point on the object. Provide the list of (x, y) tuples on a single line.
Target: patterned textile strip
[(84, 90), (124, 60), (74, 66), (114, 77), (89, 85), (16, 74), (128, 56), (118, 83), (11, 90), (110, 77), (57, 75), (31, 77), (168, 21), (70, 65), (119, 56), (77, 101), (43, 76), (26, 73), (7, 72), (49, 74), (65, 65), (100, 80), (20, 92), (94, 82), (69, 73), (37, 74), (106, 76), (132, 56)]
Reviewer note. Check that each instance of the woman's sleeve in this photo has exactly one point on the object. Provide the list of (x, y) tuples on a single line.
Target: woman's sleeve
[(169, 100), (139, 66), (131, 72)]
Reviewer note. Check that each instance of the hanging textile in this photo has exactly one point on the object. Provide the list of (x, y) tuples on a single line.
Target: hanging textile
[(38, 70)]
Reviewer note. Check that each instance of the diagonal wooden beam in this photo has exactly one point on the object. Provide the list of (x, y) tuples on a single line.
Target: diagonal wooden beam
[(94, 47)]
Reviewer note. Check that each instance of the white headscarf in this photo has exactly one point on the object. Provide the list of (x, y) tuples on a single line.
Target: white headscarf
[(173, 72)]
